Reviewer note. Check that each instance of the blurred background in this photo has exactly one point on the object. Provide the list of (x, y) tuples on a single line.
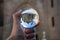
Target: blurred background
[(49, 17), (1, 19)]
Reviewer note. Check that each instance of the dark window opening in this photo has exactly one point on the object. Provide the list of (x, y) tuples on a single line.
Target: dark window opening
[(1, 1), (1, 13), (52, 3), (53, 23)]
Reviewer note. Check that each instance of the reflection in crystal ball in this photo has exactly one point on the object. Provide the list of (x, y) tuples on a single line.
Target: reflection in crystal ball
[(27, 17)]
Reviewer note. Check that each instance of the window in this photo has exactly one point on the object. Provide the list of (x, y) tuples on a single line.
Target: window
[(53, 23), (52, 3), (1, 13)]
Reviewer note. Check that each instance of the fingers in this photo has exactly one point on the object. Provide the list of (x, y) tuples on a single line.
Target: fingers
[(28, 31), (17, 15)]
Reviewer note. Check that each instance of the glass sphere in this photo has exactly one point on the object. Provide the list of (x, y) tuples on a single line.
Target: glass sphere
[(29, 18)]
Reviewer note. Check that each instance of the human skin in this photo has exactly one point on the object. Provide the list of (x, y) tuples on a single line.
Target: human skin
[(13, 35)]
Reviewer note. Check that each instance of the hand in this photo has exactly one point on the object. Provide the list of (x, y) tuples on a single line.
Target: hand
[(16, 16), (15, 24)]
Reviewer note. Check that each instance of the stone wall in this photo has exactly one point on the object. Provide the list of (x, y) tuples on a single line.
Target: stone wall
[(49, 17), (9, 7)]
